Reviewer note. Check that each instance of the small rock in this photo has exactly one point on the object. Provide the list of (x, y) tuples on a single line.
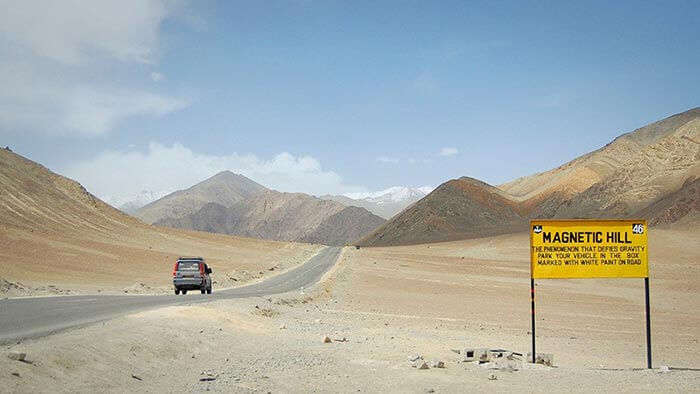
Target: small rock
[(136, 377), (326, 339), (664, 369), (423, 365), (15, 374), (456, 351), (283, 327), (438, 364), (430, 391), (207, 379), (493, 377), (17, 356)]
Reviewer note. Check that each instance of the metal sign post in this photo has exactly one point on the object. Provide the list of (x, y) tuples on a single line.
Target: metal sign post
[(646, 296), (580, 249), (532, 309)]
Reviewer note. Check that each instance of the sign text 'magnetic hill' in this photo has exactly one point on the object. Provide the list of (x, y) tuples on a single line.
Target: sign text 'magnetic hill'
[(589, 249)]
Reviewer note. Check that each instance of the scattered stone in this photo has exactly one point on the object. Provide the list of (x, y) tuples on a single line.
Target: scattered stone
[(15, 374), (283, 327), (326, 339), (207, 379), (17, 356), (664, 369), (423, 365), (438, 364), (342, 340), (493, 377), (542, 358), (136, 377), (415, 358), (456, 351), (430, 391)]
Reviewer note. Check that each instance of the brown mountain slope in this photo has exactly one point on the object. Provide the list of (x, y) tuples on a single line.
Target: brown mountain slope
[(343, 227), (53, 232), (224, 188), (282, 216), (681, 205), (457, 209), (665, 147), (626, 178)]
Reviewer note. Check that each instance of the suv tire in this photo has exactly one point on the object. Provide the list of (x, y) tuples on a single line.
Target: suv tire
[(203, 290), (209, 290), (177, 291)]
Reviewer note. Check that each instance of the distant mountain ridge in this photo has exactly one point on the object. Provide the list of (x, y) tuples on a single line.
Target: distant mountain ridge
[(649, 173), (224, 188), (385, 203), (131, 204), (232, 204)]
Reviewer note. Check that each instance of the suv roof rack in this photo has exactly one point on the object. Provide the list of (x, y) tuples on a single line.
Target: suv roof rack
[(190, 258)]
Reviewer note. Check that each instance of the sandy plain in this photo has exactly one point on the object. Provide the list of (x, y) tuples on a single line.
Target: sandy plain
[(390, 304)]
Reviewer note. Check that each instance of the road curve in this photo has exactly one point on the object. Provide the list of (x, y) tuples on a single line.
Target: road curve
[(26, 318)]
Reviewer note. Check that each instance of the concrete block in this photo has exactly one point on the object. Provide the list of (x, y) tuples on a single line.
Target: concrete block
[(475, 354)]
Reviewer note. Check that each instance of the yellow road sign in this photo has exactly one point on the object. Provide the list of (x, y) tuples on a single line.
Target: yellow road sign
[(588, 249)]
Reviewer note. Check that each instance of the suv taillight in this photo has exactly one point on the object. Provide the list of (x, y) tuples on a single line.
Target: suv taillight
[(175, 269), (201, 269)]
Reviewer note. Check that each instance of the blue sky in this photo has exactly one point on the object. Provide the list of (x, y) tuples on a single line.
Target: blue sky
[(335, 97)]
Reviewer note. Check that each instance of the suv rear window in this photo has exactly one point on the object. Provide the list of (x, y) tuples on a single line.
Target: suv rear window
[(188, 266)]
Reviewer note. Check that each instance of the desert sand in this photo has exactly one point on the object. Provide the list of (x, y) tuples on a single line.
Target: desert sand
[(382, 306)]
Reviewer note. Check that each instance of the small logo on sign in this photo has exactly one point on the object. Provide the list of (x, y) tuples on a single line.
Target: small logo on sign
[(638, 228), (537, 229)]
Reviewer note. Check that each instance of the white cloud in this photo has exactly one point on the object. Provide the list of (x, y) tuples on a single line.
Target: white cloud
[(59, 61), (448, 151), (166, 169), (385, 159), (157, 77), (72, 31), (95, 112)]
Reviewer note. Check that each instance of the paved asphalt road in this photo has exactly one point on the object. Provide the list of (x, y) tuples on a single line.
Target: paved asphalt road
[(25, 318)]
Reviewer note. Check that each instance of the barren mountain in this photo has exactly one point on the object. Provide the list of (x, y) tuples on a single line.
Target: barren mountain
[(457, 209), (282, 216), (224, 188), (648, 173), (55, 236), (682, 205), (620, 178), (343, 227), (385, 203)]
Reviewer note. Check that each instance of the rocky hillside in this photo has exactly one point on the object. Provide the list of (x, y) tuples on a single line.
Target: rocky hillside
[(649, 173), (282, 216), (460, 208), (35, 198), (224, 188)]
